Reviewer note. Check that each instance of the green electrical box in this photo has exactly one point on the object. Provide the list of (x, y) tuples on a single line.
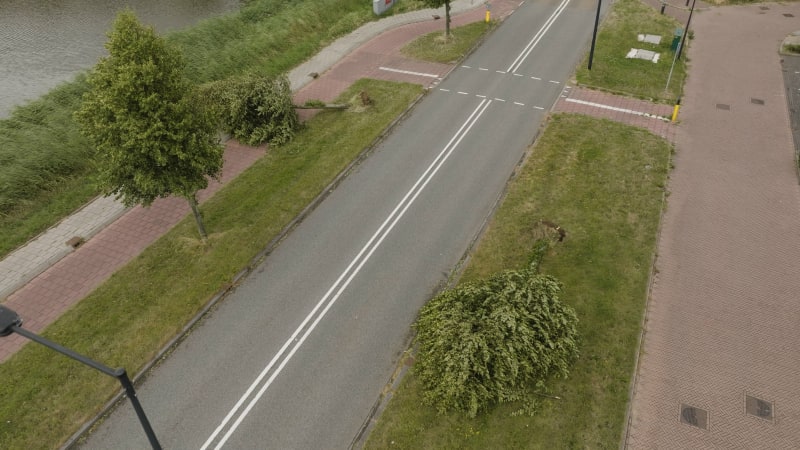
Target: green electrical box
[(676, 39)]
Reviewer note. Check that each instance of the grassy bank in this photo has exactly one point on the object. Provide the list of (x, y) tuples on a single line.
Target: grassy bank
[(45, 163), (611, 70), (46, 397), (607, 194)]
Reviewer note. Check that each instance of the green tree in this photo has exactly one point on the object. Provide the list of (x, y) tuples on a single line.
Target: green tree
[(438, 4), (152, 142), (490, 341)]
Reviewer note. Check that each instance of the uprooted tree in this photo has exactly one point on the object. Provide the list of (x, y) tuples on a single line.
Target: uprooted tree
[(253, 109), (491, 341), (152, 141)]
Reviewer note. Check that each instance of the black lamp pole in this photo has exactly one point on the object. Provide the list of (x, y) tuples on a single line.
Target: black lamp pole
[(686, 31), (10, 322), (594, 33)]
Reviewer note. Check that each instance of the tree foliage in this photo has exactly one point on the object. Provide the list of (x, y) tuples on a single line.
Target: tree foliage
[(488, 342), (151, 140), (253, 109)]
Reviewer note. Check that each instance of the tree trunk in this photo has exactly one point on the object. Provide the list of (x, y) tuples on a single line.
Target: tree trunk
[(447, 19), (197, 217)]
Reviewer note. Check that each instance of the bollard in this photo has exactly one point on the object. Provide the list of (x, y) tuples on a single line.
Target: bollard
[(675, 110), (488, 12)]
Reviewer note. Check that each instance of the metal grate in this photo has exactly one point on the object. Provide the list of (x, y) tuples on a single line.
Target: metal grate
[(756, 101), (723, 106), (759, 408), (694, 416)]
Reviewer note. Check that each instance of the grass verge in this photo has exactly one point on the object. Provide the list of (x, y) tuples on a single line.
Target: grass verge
[(435, 48), (45, 162), (125, 321), (612, 71), (607, 194)]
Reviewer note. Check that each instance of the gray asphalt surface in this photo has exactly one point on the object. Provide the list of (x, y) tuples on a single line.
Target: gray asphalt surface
[(373, 253)]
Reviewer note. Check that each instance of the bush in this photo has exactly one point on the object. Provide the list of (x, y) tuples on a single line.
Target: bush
[(489, 341), (253, 109)]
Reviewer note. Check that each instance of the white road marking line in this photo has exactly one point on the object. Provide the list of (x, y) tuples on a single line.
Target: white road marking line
[(499, 71), (537, 107), (520, 104), (518, 75), (537, 37), (408, 72), (445, 90), (554, 82), (367, 251), (536, 78), (467, 67), (482, 68), (480, 96), (614, 108), (499, 99), (462, 93)]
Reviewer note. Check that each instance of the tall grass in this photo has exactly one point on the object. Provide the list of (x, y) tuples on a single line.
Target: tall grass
[(45, 164)]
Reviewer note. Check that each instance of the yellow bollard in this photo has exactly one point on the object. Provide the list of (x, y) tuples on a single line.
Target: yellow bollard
[(488, 16), (675, 110)]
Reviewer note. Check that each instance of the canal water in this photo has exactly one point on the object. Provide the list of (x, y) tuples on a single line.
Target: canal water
[(46, 42)]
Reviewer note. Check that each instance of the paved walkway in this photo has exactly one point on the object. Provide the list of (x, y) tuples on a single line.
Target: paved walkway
[(46, 277), (720, 363)]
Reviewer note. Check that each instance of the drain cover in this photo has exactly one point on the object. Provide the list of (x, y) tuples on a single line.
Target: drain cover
[(758, 407), (756, 101), (723, 106), (693, 416)]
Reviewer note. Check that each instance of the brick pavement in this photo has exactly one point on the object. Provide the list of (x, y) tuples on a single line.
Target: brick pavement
[(722, 327)]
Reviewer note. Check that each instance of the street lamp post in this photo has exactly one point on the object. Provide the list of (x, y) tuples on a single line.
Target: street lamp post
[(594, 33), (10, 322)]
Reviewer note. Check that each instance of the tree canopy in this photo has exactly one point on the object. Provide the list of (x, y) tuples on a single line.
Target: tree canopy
[(439, 4), (490, 341), (152, 141)]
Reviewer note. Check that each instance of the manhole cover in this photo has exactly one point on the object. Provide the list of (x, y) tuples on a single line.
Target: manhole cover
[(756, 101), (758, 407), (693, 416), (723, 106), (788, 15)]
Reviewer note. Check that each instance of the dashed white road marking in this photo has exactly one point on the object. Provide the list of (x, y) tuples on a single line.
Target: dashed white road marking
[(467, 67), (482, 68), (520, 104), (536, 78), (500, 71), (445, 90), (538, 107), (409, 72), (554, 82), (463, 93), (499, 99), (518, 75), (614, 108), (480, 96)]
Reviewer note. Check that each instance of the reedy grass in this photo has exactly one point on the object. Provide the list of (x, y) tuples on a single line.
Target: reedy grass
[(46, 397), (602, 182), (43, 156)]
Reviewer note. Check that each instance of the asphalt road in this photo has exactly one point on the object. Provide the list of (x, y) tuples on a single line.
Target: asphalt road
[(297, 356)]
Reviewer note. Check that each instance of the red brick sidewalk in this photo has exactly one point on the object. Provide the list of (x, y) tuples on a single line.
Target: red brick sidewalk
[(652, 116), (45, 298)]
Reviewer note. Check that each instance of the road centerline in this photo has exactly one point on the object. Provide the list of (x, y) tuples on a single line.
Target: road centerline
[(341, 284)]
